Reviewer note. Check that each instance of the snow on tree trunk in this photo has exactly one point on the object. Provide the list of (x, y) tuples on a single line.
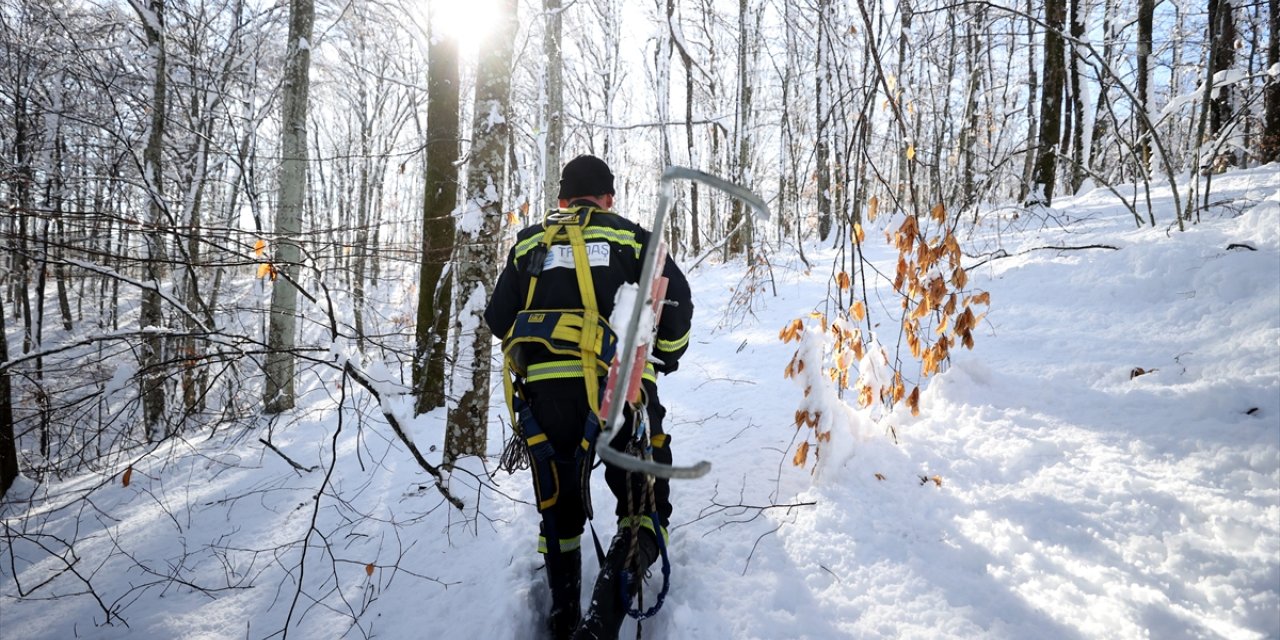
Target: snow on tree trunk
[(151, 315), (476, 251)]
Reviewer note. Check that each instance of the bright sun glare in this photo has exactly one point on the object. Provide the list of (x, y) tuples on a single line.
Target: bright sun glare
[(469, 21)]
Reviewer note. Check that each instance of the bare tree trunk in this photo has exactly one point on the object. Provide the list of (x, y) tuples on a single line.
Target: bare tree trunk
[(1077, 100), (662, 78), (694, 232), (1146, 20), (822, 115), (1104, 88), (1033, 88), (439, 198), (555, 101), (151, 315), (475, 251), (969, 134), (1050, 105), (8, 444), (1223, 40), (282, 333), (1270, 146), (741, 229)]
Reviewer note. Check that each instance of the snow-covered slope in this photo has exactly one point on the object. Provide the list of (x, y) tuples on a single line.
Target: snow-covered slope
[(1074, 500)]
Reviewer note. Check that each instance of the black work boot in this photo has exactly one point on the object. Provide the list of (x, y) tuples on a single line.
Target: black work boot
[(564, 576), (608, 607)]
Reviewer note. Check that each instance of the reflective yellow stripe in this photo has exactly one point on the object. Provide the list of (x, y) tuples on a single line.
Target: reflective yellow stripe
[(615, 236), (643, 521), (559, 369), (659, 441), (566, 544), (538, 439), (554, 370), (672, 345)]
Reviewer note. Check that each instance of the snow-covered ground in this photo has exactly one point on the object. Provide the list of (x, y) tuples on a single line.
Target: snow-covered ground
[(1075, 501)]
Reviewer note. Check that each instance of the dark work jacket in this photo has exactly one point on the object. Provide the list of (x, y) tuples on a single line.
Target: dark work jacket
[(557, 286)]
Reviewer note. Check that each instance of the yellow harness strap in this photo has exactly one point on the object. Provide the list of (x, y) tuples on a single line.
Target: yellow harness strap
[(587, 344), (570, 223)]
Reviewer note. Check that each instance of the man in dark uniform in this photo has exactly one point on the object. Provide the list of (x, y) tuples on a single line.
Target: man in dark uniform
[(555, 387)]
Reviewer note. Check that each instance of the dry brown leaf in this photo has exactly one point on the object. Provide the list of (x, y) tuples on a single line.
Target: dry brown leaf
[(873, 208), (792, 331), (939, 212), (368, 569), (842, 281), (127, 476), (880, 477), (802, 454), (259, 247)]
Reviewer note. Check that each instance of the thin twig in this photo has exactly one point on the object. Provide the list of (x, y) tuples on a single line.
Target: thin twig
[(291, 462), (996, 255)]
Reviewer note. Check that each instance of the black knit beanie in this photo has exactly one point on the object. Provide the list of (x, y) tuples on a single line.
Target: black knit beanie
[(585, 176)]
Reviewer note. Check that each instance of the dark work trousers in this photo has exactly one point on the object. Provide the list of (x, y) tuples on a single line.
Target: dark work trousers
[(560, 407)]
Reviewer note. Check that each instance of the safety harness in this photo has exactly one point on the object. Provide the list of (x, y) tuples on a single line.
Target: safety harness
[(588, 344), (581, 334)]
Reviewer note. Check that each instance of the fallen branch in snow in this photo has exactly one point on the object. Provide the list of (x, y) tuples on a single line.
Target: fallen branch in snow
[(1001, 253), (363, 380), (291, 462)]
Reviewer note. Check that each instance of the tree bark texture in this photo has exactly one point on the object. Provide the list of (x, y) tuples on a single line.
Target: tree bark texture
[(821, 117), (555, 101), (8, 444), (1222, 106), (440, 198), (1270, 146), (151, 314), (476, 251), (1146, 21), (1050, 104), (282, 330)]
